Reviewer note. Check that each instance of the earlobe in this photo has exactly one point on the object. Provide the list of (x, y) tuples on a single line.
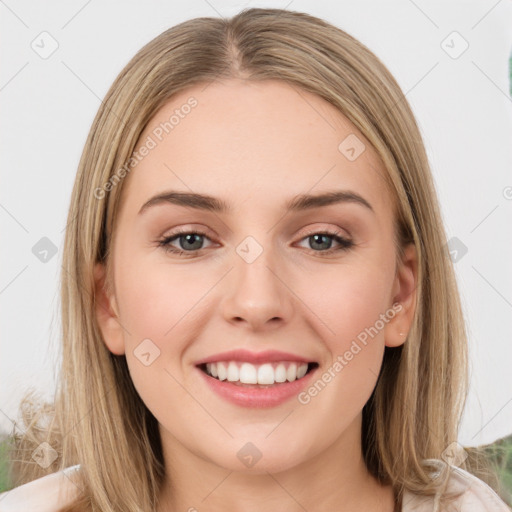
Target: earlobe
[(405, 295), (106, 313)]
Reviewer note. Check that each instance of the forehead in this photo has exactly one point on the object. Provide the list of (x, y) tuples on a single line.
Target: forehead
[(261, 142)]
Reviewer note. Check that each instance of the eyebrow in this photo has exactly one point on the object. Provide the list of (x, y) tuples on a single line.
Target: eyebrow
[(213, 204)]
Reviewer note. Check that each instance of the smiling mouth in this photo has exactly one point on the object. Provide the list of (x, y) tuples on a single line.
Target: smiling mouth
[(265, 375)]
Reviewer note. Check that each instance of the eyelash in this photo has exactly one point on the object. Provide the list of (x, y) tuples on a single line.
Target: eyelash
[(345, 244)]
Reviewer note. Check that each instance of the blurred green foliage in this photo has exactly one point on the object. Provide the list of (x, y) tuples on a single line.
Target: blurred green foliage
[(500, 455), (4, 480)]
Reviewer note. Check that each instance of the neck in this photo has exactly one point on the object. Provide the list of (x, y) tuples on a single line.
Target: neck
[(334, 479)]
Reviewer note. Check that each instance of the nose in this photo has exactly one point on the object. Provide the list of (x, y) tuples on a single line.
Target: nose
[(257, 293)]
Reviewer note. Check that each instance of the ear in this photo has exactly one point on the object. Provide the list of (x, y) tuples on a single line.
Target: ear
[(107, 313), (404, 298)]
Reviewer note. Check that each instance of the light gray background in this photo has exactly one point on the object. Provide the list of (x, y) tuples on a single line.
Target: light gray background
[(462, 105)]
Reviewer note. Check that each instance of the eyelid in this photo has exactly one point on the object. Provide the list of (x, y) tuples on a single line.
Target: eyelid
[(331, 231), (177, 232)]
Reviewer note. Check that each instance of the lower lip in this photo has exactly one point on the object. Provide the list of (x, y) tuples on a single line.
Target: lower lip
[(257, 397)]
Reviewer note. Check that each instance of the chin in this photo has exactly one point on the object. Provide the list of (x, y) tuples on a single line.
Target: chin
[(259, 457)]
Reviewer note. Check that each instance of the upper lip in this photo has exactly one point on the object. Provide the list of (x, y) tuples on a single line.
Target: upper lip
[(253, 357)]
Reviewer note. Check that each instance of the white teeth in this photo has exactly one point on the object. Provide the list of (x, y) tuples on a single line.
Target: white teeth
[(301, 371), (280, 373), (233, 372), (248, 374), (291, 373), (265, 374), (222, 370)]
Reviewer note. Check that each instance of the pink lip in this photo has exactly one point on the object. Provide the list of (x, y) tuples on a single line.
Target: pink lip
[(257, 397), (253, 357)]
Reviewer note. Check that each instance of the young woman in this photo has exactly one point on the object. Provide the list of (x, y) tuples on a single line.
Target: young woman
[(258, 310)]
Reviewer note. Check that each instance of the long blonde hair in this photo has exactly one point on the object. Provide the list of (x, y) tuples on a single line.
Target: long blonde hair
[(98, 419)]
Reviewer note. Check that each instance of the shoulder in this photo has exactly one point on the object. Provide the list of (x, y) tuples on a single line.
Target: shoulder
[(46, 494), (476, 496)]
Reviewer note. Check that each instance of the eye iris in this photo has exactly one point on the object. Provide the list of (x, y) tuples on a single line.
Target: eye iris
[(190, 240), (315, 237)]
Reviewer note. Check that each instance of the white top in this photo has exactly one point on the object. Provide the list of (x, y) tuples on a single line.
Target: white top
[(46, 494), (49, 493), (477, 496)]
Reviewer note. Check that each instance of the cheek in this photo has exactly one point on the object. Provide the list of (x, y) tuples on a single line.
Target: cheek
[(346, 380), (155, 299), (350, 300), (158, 306)]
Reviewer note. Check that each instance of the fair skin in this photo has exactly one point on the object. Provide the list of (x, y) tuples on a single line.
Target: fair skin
[(255, 146)]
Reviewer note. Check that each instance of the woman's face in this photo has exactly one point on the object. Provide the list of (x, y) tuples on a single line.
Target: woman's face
[(257, 277)]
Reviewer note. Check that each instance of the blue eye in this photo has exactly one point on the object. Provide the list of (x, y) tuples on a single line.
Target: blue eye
[(318, 239), (188, 240), (191, 241)]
